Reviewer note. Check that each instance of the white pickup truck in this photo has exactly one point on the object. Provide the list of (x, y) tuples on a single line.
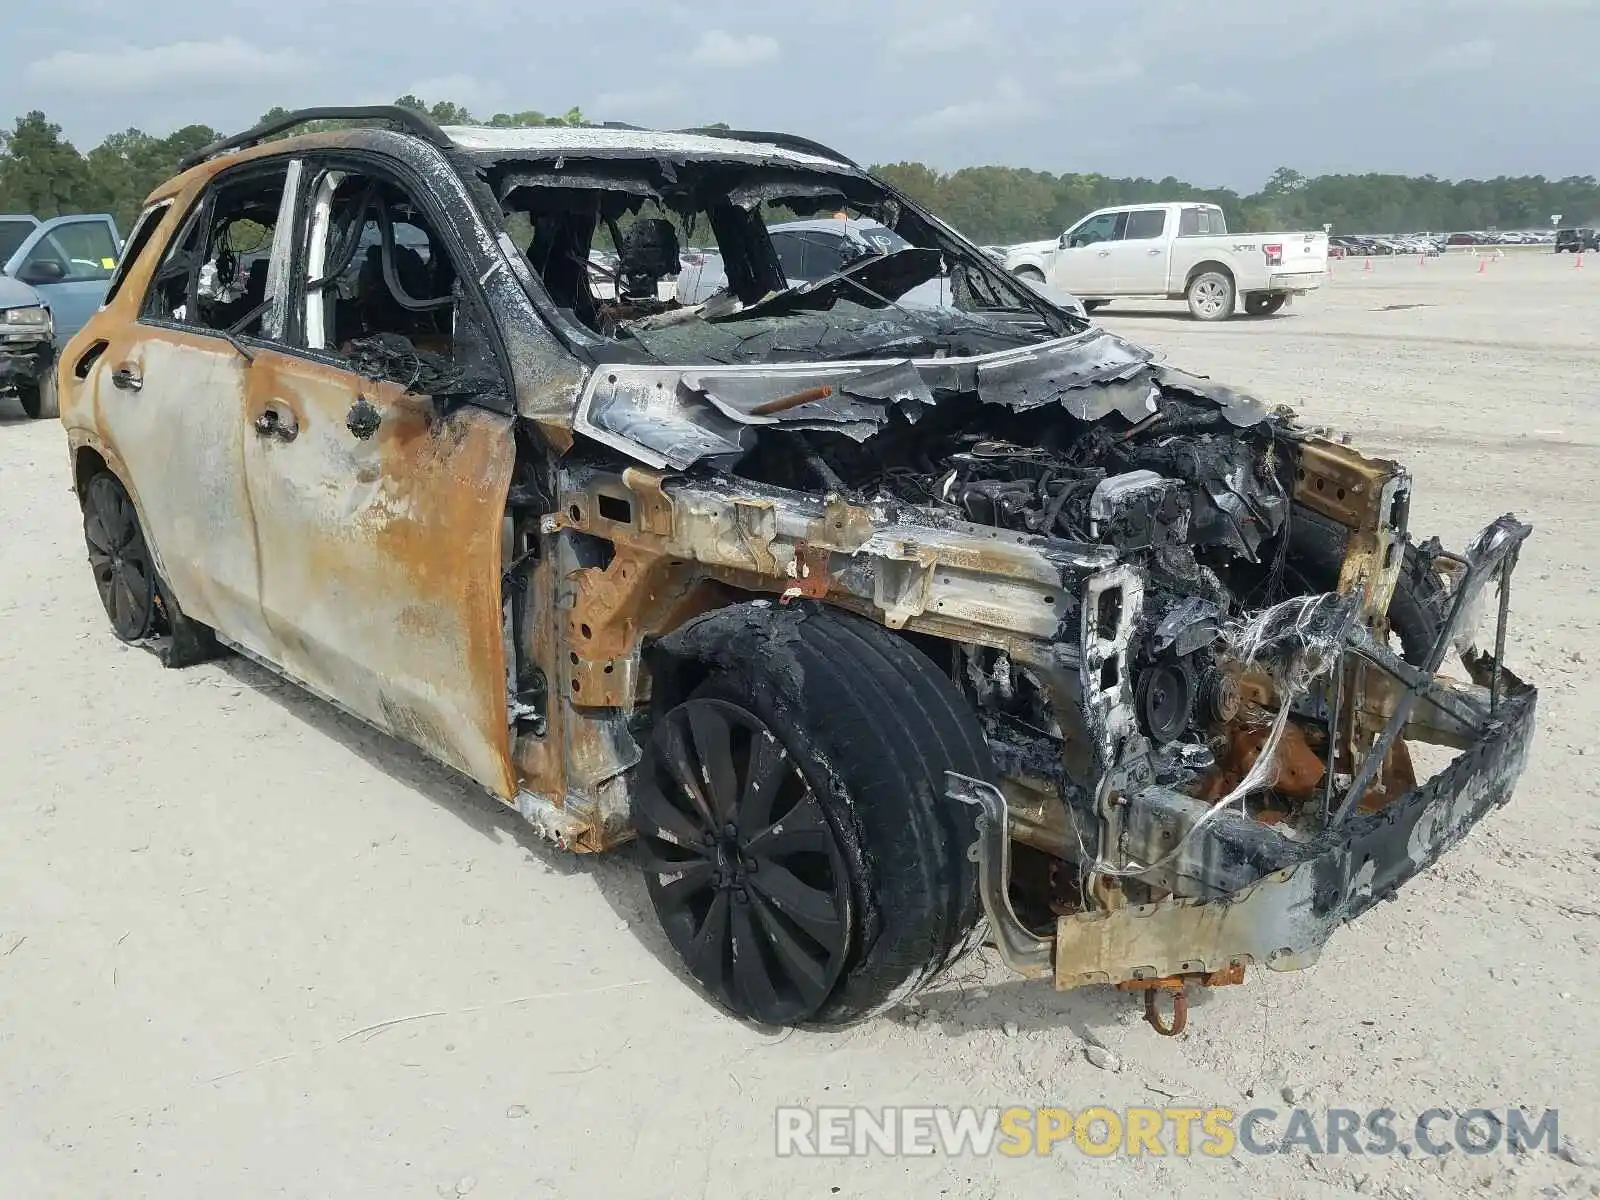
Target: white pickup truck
[(1175, 252)]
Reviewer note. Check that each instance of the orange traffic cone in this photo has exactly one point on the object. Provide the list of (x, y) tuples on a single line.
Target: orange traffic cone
[(1422, 260), (1482, 263), (1577, 263), (1368, 265)]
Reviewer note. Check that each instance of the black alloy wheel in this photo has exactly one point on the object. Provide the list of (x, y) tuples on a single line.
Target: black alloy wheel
[(123, 573), (743, 864)]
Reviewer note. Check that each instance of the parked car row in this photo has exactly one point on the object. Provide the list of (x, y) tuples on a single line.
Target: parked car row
[(1503, 237), (1354, 245), (1346, 245)]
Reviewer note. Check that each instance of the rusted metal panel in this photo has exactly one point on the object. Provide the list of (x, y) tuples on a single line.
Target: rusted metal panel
[(672, 552), (181, 439), (380, 556), (1371, 497), (1010, 583)]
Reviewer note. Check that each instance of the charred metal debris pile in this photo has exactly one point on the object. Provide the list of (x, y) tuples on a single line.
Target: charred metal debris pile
[(1187, 481), (1086, 441)]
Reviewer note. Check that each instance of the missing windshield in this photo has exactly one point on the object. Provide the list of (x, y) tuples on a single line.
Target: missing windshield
[(657, 260)]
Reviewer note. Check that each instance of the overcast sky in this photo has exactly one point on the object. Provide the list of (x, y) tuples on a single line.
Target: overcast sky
[(1217, 92)]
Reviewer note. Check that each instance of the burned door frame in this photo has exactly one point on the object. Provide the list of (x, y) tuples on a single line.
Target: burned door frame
[(381, 538), (169, 394)]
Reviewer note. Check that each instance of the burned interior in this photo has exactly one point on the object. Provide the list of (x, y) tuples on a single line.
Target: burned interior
[(649, 211), (975, 609)]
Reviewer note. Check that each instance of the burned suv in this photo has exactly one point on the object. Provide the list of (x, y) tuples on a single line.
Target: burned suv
[(871, 629)]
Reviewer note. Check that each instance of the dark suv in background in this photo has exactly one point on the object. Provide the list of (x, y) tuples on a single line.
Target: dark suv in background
[(1576, 241)]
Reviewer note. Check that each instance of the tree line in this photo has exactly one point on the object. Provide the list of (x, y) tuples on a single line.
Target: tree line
[(41, 172)]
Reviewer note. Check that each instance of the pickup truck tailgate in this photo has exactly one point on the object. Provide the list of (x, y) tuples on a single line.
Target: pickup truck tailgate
[(1305, 252), (1296, 262)]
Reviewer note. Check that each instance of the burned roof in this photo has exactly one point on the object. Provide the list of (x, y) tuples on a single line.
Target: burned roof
[(558, 141), (552, 141)]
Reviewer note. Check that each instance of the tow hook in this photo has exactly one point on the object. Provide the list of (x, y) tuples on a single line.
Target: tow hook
[(1180, 1012), (1178, 985)]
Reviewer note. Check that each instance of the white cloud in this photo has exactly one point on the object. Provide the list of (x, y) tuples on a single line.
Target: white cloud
[(719, 48), (1195, 97), (961, 33), (622, 105), (1100, 74), (177, 64), (1452, 60), (1007, 103)]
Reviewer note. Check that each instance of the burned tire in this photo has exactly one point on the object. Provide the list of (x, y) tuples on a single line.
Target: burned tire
[(38, 396), (800, 851), (1210, 296), (124, 572), (137, 601), (1316, 554)]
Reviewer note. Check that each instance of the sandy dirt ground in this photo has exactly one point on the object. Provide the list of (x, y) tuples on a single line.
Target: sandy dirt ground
[(250, 948)]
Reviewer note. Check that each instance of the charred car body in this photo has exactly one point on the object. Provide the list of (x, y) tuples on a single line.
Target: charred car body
[(872, 627)]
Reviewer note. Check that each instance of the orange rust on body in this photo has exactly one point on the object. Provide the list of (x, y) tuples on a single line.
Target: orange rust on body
[(1226, 976), (1348, 486), (1341, 482), (201, 174), (607, 601), (811, 566), (842, 525), (558, 435), (655, 507), (416, 549), (1298, 768), (1397, 778), (1180, 1013)]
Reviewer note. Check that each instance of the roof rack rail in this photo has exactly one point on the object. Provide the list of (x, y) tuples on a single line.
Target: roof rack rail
[(407, 119), (787, 141)]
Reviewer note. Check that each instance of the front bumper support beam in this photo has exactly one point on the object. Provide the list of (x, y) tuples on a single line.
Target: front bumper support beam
[(1283, 919)]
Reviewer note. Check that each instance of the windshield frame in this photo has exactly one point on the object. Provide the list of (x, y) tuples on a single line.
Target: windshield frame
[(867, 193)]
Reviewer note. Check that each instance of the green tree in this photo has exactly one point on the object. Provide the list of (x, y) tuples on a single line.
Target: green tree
[(127, 166), (41, 172)]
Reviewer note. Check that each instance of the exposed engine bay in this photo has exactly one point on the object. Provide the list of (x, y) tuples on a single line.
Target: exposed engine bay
[(1201, 507), (1242, 643)]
